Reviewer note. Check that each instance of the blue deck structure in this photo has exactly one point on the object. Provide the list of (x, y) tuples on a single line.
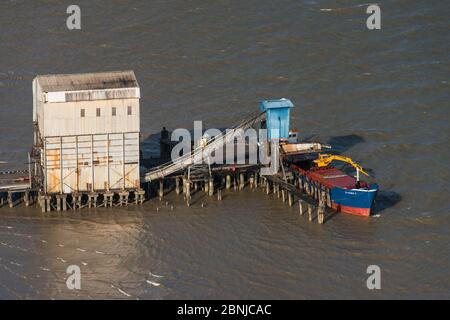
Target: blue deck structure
[(277, 117)]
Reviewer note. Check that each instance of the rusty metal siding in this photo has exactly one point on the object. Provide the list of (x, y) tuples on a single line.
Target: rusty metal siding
[(91, 163)]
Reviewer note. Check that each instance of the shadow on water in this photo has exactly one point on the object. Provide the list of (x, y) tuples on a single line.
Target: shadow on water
[(150, 145), (340, 144), (385, 200), (343, 143)]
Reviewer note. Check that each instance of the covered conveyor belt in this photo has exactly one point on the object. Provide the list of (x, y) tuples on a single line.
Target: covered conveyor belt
[(198, 154)]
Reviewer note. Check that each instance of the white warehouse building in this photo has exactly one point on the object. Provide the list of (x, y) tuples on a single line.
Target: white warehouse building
[(87, 132)]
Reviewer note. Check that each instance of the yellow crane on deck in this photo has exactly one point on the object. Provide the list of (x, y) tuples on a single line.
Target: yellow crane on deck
[(325, 159)]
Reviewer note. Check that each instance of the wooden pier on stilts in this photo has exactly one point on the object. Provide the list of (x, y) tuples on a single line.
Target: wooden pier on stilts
[(291, 189), (15, 188), (99, 166), (186, 178)]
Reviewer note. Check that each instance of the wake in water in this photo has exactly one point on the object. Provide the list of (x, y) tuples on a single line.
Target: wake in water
[(153, 283)]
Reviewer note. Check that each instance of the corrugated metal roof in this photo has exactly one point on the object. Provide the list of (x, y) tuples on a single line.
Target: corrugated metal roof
[(88, 81), (272, 104)]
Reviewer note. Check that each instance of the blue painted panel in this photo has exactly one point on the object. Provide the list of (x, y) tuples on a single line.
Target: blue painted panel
[(356, 198), (280, 103), (277, 117), (278, 123)]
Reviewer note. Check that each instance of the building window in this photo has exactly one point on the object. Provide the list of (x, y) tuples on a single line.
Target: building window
[(130, 110), (82, 113), (114, 111), (98, 112)]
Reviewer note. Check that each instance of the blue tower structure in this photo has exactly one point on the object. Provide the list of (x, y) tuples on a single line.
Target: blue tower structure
[(277, 118)]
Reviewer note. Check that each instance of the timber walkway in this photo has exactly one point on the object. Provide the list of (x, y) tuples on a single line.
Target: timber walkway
[(15, 187)]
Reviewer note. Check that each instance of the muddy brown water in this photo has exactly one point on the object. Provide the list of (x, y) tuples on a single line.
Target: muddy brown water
[(380, 97)]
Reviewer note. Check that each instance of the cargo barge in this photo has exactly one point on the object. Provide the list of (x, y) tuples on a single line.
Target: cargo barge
[(348, 194)]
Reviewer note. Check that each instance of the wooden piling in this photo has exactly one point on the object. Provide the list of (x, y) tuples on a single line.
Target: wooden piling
[(251, 181), (60, 198), (228, 182), (187, 188), (161, 189), (58, 203), (241, 181), (309, 212), (321, 207), (92, 199), (48, 200), (77, 199), (94, 196), (10, 199), (211, 187), (26, 198), (108, 199), (42, 202), (321, 213), (328, 192), (64, 202), (290, 198), (74, 201), (177, 185), (206, 186), (123, 198), (300, 207), (139, 196)]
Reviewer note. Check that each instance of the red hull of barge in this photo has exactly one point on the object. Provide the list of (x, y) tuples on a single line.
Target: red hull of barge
[(362, 212)]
